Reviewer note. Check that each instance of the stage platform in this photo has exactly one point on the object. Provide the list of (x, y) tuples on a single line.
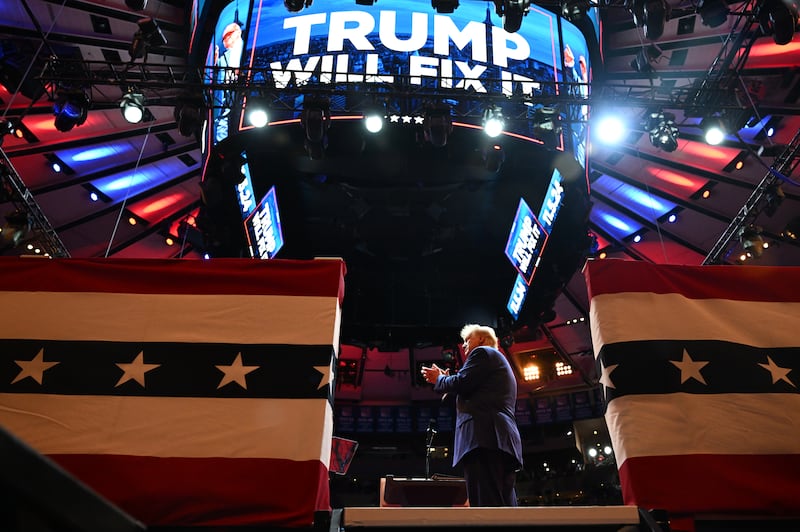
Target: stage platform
[(560, 518)]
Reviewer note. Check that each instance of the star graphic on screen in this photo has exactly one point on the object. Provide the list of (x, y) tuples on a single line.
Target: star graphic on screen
[(33, 368), (690, 369), (778, 373), (135, 370), (394, 119), (326, 371), (236, 372), (406, 119), (419, 119), (605, 377)]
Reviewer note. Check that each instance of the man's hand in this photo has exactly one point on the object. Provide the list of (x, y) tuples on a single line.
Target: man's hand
[(430, 374)]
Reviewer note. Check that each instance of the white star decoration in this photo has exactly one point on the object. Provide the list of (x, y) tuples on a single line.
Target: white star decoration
[(605, 378), (326, 371), (406, 119), (135, 370), (33, 368), (778, 373), (236, 372), (689, 368), (419, 119)]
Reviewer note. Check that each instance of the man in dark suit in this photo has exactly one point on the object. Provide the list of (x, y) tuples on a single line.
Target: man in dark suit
[(487, 440)]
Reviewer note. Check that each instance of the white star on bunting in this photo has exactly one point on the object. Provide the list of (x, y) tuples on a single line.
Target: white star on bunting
[(33, 368), (236, 372), (690, 369), (605, 378), (778, 373), (135, 370), (326, 371)]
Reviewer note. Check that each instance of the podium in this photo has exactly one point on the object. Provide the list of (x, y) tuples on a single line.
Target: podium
[(401, 492)]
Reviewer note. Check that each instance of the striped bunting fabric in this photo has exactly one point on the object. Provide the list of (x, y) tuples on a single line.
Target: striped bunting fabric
[(700, 368), (185, 392)]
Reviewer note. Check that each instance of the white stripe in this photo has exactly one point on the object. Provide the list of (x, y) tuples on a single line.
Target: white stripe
[(630, 316), (680, 423), (242, 319), (293, 429)]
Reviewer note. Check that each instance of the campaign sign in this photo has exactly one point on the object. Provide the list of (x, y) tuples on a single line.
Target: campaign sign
[(263, 227), (552, 202), (245, 194), (526, 242)]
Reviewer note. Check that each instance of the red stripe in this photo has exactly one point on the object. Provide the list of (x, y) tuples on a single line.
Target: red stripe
[(714, 484), (172, 276), (206, 491), (740, 283)]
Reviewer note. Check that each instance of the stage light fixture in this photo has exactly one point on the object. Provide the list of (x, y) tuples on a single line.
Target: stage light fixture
[(713, 130), (493, 158), (148, 36), (574, 10), (132, 106), (547, 126), (773, 197), (374, 117), (493, 123), (444, 6), (257, 111), (70, 109), (608, 128), (792, 229), (18, 226), (713, 13), (188, 115), (651, 16), (437, 125), (6, 128), (293, 6), (779, 19), (512, 12), (662, 130), (316, 117), (752, 241)]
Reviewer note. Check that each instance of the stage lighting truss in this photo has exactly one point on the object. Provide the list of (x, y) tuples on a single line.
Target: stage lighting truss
[(438, 124), (512, 12), (71, 108), (148, 36), (444, 6), (132, 106), (662, 130)]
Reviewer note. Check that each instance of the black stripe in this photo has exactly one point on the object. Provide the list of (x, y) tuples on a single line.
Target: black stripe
[(186, 370), (645, 367)]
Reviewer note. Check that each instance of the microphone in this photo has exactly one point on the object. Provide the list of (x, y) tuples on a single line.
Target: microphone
[(432, 425)]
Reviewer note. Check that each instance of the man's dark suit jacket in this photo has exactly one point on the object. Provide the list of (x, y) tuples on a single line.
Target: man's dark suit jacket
[(486, 394)]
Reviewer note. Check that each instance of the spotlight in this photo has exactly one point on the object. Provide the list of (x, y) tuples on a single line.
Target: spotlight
[(713, 13), (650, 15), (713, 130), (257, 112), (444, 6), (148, 36), (293, 6), (437, 125), (493, 122), (792, 229), (662, 130), (779, 19), (752, 242), (188, 115), (608, 128), (132, 106), (374, 117), (547, 126), (6, 127), (70, 109), (316, 118), (512, 12), (574, 10)]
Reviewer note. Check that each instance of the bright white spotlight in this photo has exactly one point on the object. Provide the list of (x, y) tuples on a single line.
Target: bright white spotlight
[(609, 129), (373, 122), (493, 123), (132, 106), (714, 136), (258, 117)]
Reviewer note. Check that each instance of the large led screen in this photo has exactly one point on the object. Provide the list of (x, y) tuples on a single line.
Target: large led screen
[(401, 47)]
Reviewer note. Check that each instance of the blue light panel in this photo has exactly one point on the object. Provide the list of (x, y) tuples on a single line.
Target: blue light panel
[(646, 205), (616, 224)]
